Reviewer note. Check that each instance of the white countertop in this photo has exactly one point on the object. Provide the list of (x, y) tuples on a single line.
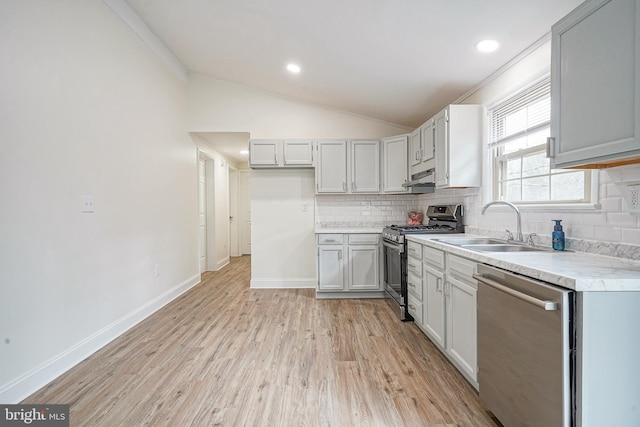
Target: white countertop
[(573, 270), (349, 230)]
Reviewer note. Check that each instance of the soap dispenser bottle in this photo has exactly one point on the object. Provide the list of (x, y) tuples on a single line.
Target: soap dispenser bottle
[(557, 237)]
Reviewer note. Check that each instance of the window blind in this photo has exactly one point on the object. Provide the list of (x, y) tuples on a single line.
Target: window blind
[(524, 113)]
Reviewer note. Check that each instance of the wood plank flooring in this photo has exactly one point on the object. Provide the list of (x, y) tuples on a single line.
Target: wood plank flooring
[(223, 354)]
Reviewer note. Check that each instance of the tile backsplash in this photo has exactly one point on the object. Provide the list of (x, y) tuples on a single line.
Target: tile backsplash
[(364, 210), (607, 230)]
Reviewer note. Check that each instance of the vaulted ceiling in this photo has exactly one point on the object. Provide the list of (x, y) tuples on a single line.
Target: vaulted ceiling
[(395, 60)]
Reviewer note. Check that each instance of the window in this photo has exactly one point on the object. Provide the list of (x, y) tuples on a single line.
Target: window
[(518, 136)]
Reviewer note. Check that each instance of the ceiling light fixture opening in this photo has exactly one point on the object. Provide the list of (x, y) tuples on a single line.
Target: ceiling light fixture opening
[(244, 152), (487, 45), (293, 68)]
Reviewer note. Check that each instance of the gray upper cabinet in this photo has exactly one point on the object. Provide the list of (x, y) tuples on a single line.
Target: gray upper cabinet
[(365, 166), (276, 153), (422, 148), (331, 167), (348, 166), (459, 141), (395, 168), (595, 86)]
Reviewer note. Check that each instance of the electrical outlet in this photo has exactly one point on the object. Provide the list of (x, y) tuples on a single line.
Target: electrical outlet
[(633, 198), (87, 204)]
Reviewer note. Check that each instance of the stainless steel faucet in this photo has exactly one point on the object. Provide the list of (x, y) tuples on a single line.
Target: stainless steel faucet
[(519, 237)]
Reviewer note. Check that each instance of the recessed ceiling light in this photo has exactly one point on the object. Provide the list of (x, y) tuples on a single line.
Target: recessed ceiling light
[(244, 152), (487, 45), (293, 68)]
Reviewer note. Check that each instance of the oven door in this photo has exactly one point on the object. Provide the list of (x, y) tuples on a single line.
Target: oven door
[(395, 277)]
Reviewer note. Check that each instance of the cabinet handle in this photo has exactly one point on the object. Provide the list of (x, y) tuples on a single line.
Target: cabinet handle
[(344, 187), (438, 285), (340, 254), (411, 285), (329, 240), (412, 265), (353, 186), (412, 307), (550, 140)]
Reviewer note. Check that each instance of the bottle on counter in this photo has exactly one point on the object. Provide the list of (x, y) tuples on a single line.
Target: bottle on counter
[(557, 237)]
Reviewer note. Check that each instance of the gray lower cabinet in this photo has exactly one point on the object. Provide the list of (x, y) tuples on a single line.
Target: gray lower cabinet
[(349, 266), (449, 299)]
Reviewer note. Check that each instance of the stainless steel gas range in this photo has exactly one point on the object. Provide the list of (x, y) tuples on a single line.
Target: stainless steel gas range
[(443, 219)]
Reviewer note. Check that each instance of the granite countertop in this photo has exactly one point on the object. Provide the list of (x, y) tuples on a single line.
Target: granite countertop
[(349, 230), (573, 270)]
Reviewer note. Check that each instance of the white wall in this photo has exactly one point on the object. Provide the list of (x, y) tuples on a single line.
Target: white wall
[(282, 228), (86, 109)]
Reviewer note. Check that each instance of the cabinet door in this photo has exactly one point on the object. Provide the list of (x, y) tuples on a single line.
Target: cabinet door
[(365, 166), (462, 344), (428, 145), (441, 140), (595, 81), (415, 148), (330, 268), (264, 153), (331, 169), (297, 153), (364, 268), (433, 304), (395, 166)]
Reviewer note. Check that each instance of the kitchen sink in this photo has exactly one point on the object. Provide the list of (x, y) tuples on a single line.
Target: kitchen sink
[(503, 248), (460, 241)]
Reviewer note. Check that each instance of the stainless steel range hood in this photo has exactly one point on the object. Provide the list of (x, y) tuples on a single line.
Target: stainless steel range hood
[(422, 182)]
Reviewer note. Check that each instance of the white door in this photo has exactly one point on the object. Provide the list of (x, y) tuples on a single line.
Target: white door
[(244, 207), (202, 214), (234, 220)]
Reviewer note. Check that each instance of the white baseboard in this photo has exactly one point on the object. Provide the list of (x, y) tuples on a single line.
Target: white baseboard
[(222, 263), (37, 378), (283, 283)]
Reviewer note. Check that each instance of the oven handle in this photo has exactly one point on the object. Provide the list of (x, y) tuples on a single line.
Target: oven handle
[(545, 305), (395, 247)]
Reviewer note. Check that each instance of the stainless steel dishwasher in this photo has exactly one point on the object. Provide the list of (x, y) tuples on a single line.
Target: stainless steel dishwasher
[(525, 349)]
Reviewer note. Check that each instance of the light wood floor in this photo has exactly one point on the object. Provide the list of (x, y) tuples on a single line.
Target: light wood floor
[(223, 354)]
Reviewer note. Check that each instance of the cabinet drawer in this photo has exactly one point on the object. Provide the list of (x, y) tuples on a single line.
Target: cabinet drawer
[(414, 286), (414, 250), (415, 308), (364, 239), (329, 239), (461, 267), (433, 257), (414, 267)]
